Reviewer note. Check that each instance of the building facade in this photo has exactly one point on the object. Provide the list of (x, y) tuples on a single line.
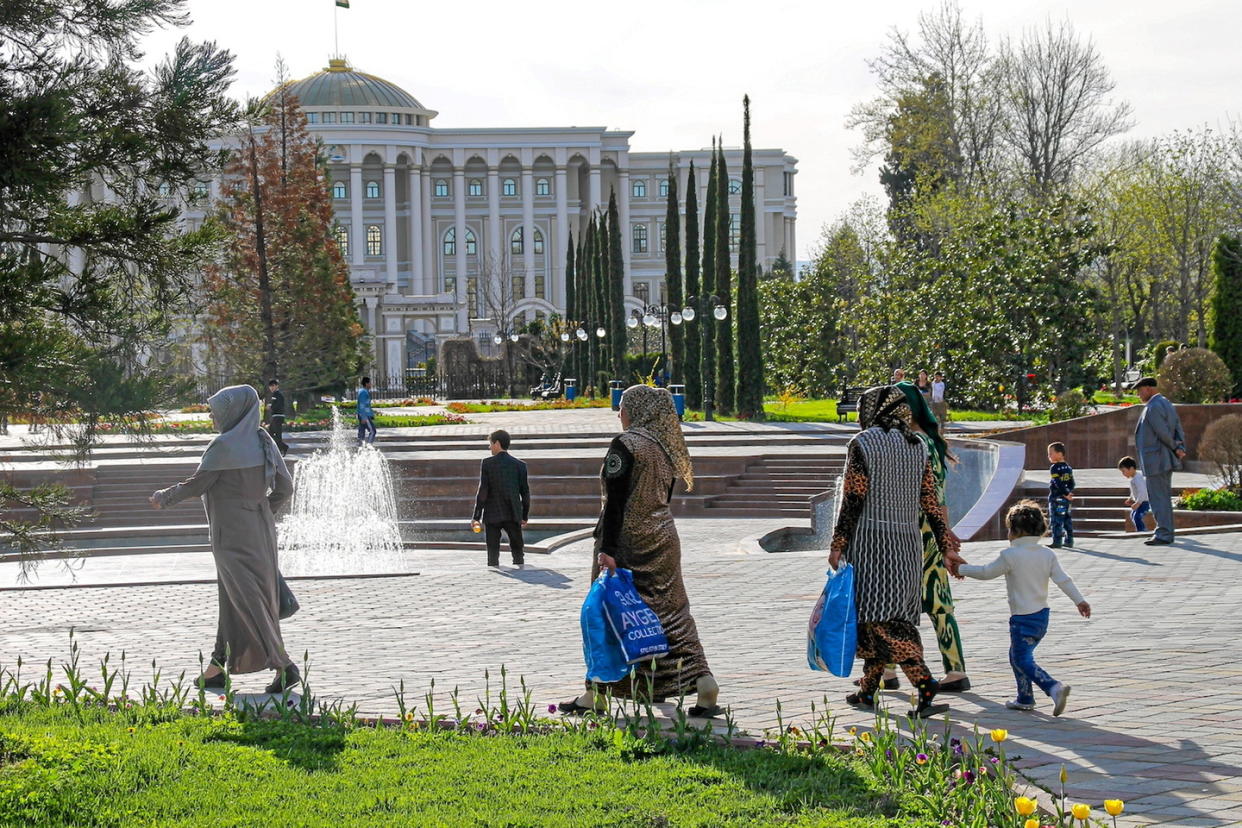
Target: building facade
[(464, 232)]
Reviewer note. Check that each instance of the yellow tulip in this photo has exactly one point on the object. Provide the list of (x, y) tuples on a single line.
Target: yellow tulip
[(1114, 806), (1064, 775), (999, 735), (1031, 823), (1081, 811), (1025, 805)]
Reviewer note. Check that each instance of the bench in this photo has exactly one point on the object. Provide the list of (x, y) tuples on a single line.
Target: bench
[(848, 404)]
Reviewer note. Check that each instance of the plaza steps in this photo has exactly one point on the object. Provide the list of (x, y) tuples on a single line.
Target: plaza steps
[(778, 486)]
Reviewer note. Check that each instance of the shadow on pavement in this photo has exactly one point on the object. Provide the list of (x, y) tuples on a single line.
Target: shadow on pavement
[(540, 577)]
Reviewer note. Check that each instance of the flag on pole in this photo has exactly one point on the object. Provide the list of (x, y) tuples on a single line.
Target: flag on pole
[(344, 4)]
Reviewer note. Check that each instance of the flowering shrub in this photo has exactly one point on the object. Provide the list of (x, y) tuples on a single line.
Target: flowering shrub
[(196, 408), (1212, 500)]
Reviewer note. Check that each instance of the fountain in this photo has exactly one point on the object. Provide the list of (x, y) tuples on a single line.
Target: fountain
[(343, 520)]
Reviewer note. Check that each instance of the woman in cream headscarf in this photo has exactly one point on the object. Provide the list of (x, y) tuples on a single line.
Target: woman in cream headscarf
[(636, 532), (242, 479)]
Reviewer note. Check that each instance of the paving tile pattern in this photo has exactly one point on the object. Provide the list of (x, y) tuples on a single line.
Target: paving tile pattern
[(1155, 717)]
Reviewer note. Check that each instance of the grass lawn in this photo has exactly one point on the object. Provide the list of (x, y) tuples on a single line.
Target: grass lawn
[(147, 767), (825, 411)]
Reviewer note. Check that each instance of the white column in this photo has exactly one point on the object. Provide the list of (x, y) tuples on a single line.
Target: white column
[(761, 220), (357, 237), (394, 368), (431, 275), (415, 189), (596, 187), (459, 221), (495, 244), (391, 251), (528, 232), (561, 183), (627, 232)]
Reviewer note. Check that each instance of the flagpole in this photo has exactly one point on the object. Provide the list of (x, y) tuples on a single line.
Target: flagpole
[(336, 36)]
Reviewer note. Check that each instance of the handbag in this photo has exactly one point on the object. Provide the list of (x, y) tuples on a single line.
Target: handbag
[(635, 625), (288, 601), (832, 633), (602, 653)]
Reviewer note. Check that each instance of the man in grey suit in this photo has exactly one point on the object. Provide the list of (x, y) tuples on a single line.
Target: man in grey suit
[(503, 500), (1161, 446)]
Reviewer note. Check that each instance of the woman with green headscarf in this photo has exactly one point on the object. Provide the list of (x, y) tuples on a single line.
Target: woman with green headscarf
[(936, 591)]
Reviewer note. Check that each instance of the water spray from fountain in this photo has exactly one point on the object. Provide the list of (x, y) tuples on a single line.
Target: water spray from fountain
[(344, 515)]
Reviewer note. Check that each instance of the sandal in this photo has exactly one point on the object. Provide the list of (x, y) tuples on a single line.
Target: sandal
[(286, 679), (572, 708), (889, 683), (700, 712), (864, 700), (928, 689)]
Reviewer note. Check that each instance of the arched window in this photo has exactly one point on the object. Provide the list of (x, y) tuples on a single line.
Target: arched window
[(542, 187), (735, 186), (663, 188), (538, 242), (472, 244), (450, 242), (165, 189), (642, 292), (339, 190), (442, 188), (508, 187), (341, 234), (373, 190), (375, 240), (638, 188), (476, 187), (735, 230), (516, 244), (640, 238), (200, 189)]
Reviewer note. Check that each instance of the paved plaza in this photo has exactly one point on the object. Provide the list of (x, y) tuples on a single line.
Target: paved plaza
[(1155, 717)]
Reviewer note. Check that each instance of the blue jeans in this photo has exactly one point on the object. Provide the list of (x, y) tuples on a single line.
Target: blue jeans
[(1025, 633), (1062, 522), (1136, 515), (366, 430)]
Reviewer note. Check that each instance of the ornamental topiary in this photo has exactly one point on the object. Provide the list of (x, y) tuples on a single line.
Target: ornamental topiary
[(1195, 375), (1222, 447)]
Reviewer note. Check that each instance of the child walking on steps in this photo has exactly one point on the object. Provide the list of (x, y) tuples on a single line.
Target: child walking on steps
[(1028, 567)]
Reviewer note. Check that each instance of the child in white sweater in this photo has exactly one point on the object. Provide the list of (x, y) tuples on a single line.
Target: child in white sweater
[(1028, 567)]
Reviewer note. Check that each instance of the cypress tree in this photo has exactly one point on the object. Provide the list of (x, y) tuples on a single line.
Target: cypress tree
[(672, 275), (691, 375), (582, 294), (707, 367), (590, 307), (570, 295), (750, 377), (1225, 310), (601, 295), (726, 391), (616, 289)]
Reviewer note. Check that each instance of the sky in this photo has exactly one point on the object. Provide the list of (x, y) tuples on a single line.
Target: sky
[(674, 71)]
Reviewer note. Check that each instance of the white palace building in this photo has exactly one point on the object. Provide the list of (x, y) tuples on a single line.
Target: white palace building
[(425, 214)]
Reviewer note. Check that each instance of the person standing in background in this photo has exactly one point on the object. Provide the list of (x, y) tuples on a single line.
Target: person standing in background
[(366, 414), (940, 409), (503, 500), (275, 421), (1161, 446)]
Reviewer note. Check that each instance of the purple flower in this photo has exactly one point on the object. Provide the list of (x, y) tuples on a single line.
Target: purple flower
[(994, 759), (761, 743), (551, 708), (482, 726), (888, 754), (968, 776)]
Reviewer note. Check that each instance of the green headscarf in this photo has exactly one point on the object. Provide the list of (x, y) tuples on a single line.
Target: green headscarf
[(926, 420)]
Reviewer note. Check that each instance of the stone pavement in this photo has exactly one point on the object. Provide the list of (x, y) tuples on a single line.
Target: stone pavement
[(1155, 717)]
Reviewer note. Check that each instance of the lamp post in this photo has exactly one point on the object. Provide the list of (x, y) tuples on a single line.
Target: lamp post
[(583, 336), (499, 338), (697, 306)]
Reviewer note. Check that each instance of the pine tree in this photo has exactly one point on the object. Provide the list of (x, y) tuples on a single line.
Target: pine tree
[(692, 374), (280, 303), (1225, 310), (750, 377), (672, 275), (726, 390), (601, 297), (571, 296), (590, 307), (707, 367), (616, 290)]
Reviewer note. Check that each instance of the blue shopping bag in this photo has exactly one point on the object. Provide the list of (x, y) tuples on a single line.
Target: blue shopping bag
[(832, 634), (636, 627), (605, 660)]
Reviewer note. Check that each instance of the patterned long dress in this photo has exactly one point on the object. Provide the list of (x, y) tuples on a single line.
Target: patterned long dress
[(888, 486), (937, 592), (636, 528)]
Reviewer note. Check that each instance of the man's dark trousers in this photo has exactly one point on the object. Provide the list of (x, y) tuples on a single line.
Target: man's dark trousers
[(492, 534), (275, 427), (502, 503)]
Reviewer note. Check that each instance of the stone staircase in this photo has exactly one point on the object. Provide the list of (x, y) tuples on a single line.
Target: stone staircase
[(777, 486)]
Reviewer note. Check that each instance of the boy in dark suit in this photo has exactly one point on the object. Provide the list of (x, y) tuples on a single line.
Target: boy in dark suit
[(503, 501)]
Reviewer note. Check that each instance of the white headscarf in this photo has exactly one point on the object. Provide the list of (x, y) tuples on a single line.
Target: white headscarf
[(242, 443)]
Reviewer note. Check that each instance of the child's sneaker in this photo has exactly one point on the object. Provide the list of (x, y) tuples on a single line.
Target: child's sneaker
[(1018, 705), (1060, 695)]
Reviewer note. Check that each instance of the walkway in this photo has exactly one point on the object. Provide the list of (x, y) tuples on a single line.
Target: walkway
[(1155, 717)]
